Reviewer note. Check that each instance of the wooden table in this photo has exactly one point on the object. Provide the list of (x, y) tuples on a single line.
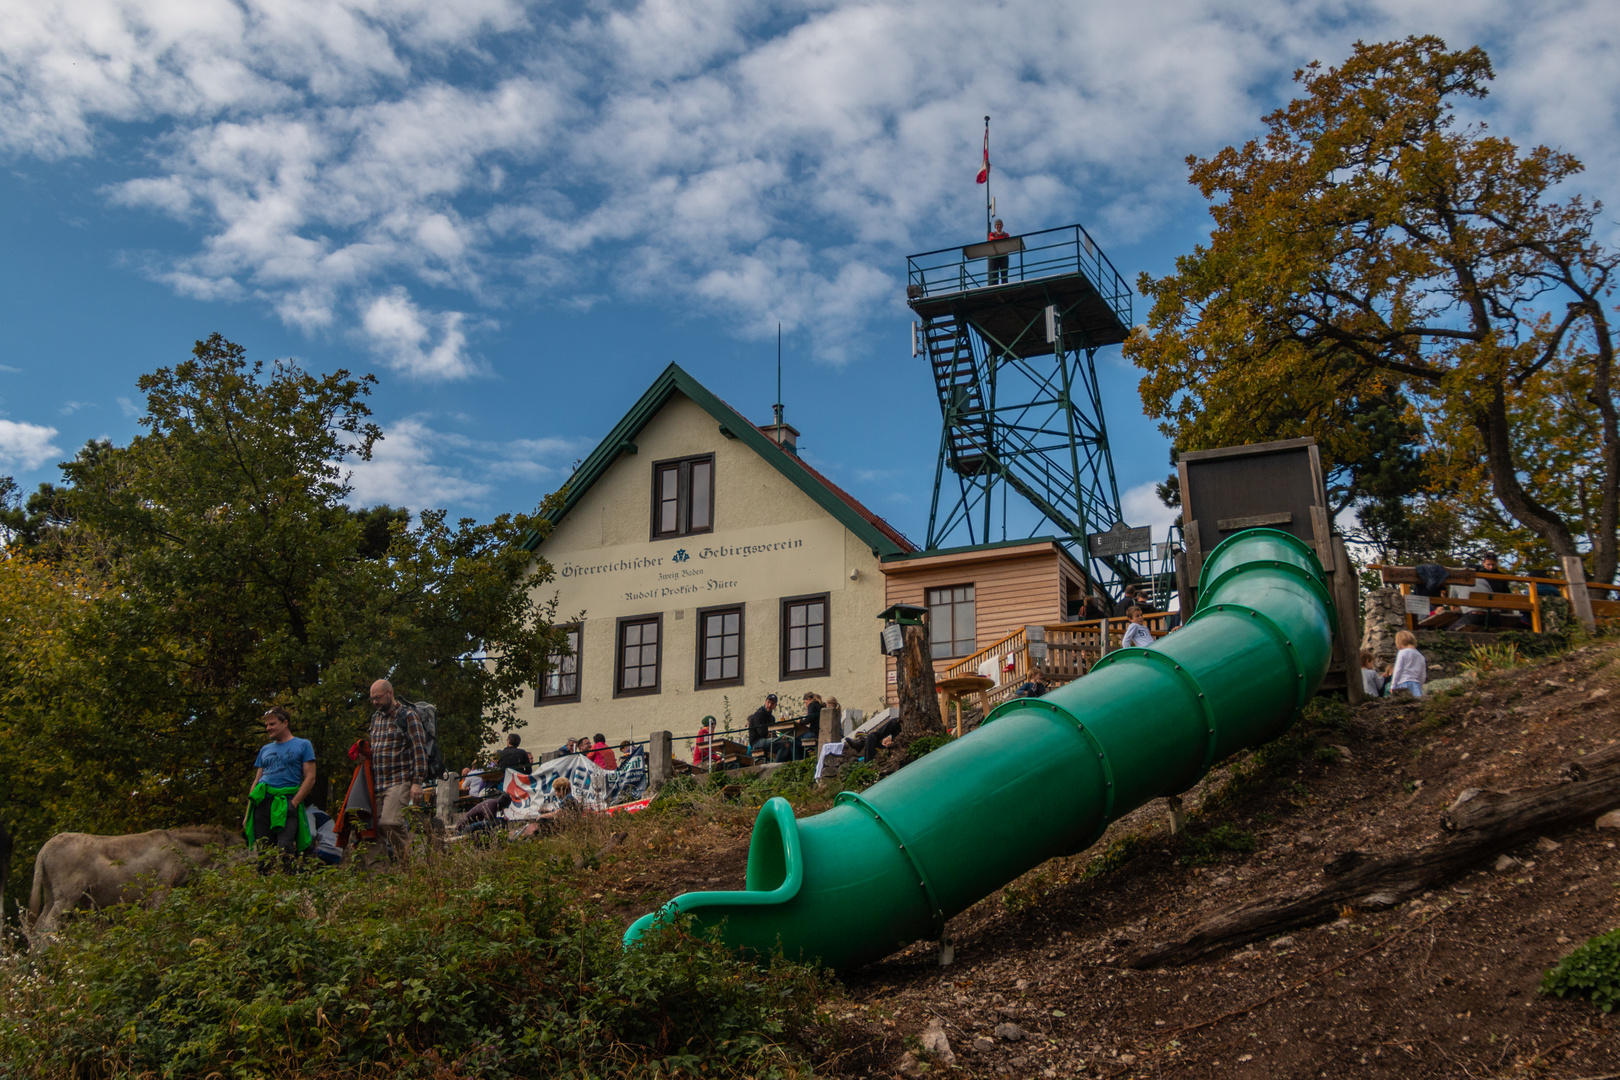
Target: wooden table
[(729, 752), (951, 690)]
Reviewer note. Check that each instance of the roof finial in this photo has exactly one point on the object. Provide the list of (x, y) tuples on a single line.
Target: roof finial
[(778, 406)]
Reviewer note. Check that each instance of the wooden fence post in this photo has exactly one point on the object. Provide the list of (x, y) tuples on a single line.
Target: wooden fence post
[(1580, 601), (660, 760)]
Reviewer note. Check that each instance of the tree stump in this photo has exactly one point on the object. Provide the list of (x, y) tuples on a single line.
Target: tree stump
[(919, 707)]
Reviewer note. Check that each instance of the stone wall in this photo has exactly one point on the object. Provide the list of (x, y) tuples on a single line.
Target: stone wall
[(1383, 617)]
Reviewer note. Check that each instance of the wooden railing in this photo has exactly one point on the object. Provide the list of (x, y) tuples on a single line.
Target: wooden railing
[(1527, 602), (1071, 649)]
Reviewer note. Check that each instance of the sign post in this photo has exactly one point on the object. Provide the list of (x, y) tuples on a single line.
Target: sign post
[(1121, 539)]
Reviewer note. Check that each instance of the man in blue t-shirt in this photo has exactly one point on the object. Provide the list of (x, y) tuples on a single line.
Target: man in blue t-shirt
[(285, 772)]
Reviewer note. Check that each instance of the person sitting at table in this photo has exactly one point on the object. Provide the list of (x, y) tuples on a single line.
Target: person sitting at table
[(1035, 687), (601, 755), (1475, 618), (761, 743), (514, 756)]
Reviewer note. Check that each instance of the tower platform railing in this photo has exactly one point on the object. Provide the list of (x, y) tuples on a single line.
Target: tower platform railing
[(1030, 257)]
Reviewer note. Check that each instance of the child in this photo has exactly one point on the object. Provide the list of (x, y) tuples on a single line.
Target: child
[(1411, 671), (1371, 681)]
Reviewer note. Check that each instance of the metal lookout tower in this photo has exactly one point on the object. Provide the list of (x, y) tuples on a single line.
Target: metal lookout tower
[(1011, 329)]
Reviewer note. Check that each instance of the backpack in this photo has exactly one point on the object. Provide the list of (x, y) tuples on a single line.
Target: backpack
[(429, 717)]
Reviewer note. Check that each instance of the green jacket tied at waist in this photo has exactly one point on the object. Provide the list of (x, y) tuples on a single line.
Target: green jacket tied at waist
[(279, 806)]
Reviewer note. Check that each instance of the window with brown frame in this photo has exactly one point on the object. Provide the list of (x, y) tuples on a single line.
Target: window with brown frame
[(640, 650), (683, 496), (720, 647), (561, 680), (804, 636), (951, 621)]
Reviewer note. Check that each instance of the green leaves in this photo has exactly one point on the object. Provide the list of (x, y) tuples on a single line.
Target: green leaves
[(1591, 970)]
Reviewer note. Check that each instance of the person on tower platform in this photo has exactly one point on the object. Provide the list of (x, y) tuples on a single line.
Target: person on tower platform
[(998, 263)]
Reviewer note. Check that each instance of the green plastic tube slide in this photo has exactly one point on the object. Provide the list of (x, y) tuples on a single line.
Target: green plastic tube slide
[(1041, 777)]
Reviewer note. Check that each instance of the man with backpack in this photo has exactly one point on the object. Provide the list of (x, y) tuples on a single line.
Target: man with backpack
[(399, 766)]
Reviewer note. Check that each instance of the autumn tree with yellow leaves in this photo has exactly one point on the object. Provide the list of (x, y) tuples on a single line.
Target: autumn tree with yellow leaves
[(1372, 247)]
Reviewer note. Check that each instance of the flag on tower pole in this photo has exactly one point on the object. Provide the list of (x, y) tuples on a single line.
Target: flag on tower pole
[(984, 171)]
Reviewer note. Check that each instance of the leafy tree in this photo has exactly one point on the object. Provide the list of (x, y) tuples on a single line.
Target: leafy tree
[(228, 575), (1369, 249)]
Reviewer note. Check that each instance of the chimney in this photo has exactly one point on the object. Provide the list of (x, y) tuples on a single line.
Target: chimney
[(782, 434)]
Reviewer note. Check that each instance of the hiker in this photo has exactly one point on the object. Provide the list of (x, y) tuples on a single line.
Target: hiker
[(284, 771), (398, 768)]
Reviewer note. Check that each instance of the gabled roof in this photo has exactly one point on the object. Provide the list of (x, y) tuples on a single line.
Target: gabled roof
[(879, 535)]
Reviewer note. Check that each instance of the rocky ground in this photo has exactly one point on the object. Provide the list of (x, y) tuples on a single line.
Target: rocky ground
[(1443, 986)]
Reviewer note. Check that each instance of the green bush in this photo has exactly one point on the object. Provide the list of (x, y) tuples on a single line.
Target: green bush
[(927, 744), (1592, 969), (482, 963), (1210, 847)]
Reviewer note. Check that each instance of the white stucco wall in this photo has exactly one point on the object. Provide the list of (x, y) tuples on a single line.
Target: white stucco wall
[(770, 541)]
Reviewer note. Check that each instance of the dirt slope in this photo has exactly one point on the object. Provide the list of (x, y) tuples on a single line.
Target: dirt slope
[(1445, 986)]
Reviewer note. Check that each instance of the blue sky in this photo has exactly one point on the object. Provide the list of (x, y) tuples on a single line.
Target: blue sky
[(517, 214)]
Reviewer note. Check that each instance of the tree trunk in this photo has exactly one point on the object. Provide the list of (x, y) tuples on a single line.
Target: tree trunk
[(1604, 555), (5, 871), (1485, 822), (919, 704), (1494, 425)]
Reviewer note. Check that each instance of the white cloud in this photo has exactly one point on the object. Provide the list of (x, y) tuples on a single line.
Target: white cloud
[(403, 472), (70, 407), (422, 466), (128, 408), (26, 446), (420, 344), (1140, 506), (754, 162)]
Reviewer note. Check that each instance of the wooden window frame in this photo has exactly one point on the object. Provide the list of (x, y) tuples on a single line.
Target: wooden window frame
[(683, 496), (826, 636), (578, 629), (953, 655), (618, 656), (698, 682)]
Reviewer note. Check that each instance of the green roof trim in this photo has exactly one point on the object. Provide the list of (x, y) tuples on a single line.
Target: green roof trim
[(965, 549), (733, 425)]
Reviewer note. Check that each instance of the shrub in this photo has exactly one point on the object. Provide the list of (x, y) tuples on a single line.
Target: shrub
[(1494, 657), (1592, 969), (481, 964), (1209, 848), (927, 744)]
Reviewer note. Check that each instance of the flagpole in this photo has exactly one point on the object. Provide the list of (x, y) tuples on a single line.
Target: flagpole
[(987, 176)]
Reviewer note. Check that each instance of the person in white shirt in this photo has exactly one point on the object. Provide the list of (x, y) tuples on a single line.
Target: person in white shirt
[(1411, 671), (1137, 635)]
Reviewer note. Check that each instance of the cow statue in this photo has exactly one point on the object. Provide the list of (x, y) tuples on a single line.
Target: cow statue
[(75, 870)]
